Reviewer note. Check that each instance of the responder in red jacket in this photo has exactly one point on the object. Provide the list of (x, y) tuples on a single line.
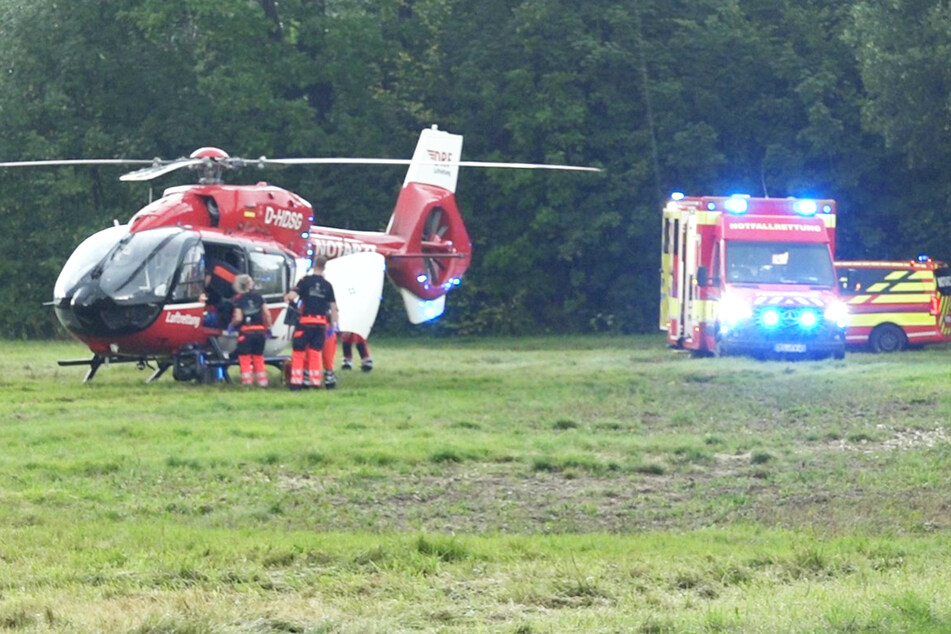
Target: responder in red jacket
[(253, 321), (318, 316), (218, 293), (351, 339)]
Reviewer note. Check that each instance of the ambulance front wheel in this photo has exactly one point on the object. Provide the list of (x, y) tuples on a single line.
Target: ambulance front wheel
[(887, 338)]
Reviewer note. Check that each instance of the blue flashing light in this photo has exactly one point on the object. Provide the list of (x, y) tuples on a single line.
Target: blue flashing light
[(805, 207), (422, 278), (808, 319), (827, 209), (923, 258), (736, 205), (456, 281), (677, 196), (304, 234), (770, 318), (711, 206), (430, 311)]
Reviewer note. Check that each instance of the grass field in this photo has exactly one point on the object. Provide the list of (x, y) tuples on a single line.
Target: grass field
[(514, 485)]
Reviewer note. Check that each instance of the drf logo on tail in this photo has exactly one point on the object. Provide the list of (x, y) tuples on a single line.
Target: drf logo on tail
[(440, 157)]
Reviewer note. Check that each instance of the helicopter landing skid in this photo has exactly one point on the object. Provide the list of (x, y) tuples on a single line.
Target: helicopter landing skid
[(214, 367), (97, 361)]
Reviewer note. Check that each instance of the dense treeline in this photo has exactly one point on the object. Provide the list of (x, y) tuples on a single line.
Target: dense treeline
[(843, 99)]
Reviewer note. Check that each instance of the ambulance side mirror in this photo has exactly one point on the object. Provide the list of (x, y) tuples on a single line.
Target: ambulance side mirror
[(703, 277)]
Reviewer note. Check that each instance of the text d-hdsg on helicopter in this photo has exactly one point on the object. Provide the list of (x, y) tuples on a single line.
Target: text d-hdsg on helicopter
[(132, 292)]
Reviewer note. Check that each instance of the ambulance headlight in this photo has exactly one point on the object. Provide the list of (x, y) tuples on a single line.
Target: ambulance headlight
[(808, 319), (838, 313), (733, 310)]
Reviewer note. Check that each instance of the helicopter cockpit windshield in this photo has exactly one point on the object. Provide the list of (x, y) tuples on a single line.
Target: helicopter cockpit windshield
[(87, 255), (141, 266), (117, 282)]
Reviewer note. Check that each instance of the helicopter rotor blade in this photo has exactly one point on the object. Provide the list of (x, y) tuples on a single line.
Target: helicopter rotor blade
[(528, 166), (61, 162), (264, 162), (159, 169)]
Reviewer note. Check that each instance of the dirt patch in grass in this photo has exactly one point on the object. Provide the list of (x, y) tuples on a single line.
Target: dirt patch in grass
[(481, 499), (893, 439)]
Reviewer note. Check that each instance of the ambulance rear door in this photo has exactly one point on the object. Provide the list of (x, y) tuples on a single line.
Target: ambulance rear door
[(691, 307)]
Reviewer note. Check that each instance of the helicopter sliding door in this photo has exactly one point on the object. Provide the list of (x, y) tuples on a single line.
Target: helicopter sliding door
[(273, 274)]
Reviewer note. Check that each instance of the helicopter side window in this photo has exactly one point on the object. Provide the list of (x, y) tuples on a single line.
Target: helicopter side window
[(270, 272), (191, 276), (230, 254)]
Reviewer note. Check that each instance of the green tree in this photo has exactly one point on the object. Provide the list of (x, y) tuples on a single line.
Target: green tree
[(904, 55)]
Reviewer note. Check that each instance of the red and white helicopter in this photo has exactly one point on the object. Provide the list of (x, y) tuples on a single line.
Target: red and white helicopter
[(132, 292)]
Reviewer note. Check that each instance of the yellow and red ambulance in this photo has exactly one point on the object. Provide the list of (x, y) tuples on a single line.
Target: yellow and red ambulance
[(893, 305), (742, 275)]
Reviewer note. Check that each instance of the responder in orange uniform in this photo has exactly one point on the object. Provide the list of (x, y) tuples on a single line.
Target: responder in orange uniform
[(327, 355), (363, 349), (318, 317), (219, 289), (253, 322)]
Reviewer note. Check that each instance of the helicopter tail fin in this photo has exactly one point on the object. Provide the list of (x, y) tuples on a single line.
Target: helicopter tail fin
[(437, 249)]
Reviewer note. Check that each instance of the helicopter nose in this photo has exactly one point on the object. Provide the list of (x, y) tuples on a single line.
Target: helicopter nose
[(85, 296), (91, 312)]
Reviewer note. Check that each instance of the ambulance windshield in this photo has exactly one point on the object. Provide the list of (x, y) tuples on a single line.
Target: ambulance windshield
[(779, 263)]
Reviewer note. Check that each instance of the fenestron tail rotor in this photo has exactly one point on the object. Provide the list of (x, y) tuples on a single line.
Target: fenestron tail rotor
[(434, 246)]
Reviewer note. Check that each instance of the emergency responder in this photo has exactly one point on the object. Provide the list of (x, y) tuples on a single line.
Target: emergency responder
[(253, 322), (219, 289), (318, 317), (327, 354), (363, 349)]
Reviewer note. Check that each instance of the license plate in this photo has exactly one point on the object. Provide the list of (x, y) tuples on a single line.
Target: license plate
[(789, 347)]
